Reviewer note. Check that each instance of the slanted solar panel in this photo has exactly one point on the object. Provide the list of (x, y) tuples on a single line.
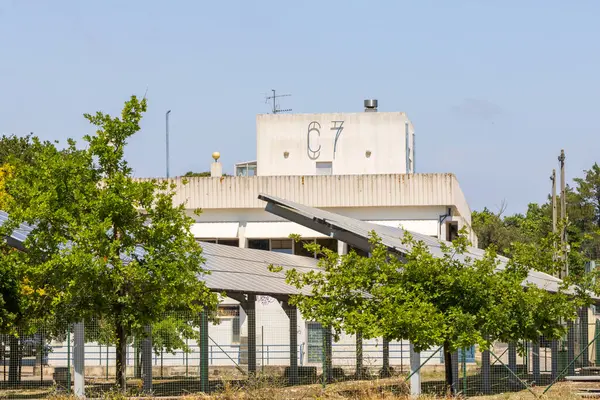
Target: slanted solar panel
[(392, 237), (232, 268)]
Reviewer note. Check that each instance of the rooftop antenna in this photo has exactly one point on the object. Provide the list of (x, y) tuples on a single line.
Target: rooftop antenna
[(275, 96)]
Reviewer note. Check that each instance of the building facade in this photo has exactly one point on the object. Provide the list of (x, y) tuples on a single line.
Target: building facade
[(360, 165)]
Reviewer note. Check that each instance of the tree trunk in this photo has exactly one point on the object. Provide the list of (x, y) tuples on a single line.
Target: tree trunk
[(121, 357), (14, 375), (448, 368)]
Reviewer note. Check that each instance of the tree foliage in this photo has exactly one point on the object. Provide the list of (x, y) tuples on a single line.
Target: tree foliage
[(105, 246), (455, 301), (205, 174), (15, 310), (582, 225)]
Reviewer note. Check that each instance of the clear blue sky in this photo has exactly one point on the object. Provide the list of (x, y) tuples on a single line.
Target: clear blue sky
[(494, 89)]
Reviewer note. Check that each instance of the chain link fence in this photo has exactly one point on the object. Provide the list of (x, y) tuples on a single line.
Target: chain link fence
[(39, 364)]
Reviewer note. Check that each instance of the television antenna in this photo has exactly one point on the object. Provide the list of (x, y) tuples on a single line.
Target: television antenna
[(274, 97)]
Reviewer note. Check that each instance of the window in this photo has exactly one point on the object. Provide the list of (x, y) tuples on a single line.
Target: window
[(206, 240), (228, 311), (451, 231), (246, 169), (235, 329), (315, 342), (231, 312), (330, 244), (226, 242), (282, 246), (358, 251), (229, 242), (324, 168), (259, 244), (299, 249)]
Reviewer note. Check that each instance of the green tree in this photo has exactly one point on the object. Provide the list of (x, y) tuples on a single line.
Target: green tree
[(105, 246), (205, 174), (454, 301), (17, 316)]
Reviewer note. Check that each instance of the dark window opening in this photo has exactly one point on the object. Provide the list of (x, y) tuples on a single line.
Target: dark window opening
[(331, 244), (451, 231), (206, 240), (358, 251), (299, 249), (259, 244), (229, 242)]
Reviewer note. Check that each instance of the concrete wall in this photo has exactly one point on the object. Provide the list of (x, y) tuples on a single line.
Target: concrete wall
[(292, 144), (424, 220)]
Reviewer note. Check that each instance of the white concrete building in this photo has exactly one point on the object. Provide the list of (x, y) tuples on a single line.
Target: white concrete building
[(354, 164), (360, 165)]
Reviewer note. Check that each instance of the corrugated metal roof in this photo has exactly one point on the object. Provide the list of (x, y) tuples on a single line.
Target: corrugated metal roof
[(232, 269), (18, 235), (246, 270), (392, 237)]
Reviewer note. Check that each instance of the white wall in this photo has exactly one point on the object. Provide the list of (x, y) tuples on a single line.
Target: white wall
[(423, 220), (380, 133)]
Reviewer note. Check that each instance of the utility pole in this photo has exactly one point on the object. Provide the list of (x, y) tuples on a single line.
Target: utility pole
[(554, 216), (563, 215), (167, 139)]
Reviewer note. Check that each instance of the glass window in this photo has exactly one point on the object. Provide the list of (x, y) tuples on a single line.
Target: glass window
[(282, 246), (330, 244), (299, 249), (231, 312), (206, 240), (324, 168), (315, 342), (260, 244), (229, 242), (235, 329)]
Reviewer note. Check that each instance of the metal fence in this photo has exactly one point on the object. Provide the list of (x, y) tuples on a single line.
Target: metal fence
[(42, 363)]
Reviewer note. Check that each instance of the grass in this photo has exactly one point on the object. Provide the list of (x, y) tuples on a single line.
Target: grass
[(365, 390), (271, 387)]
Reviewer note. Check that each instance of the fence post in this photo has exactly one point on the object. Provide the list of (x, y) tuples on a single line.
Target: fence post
[(585, 335), (359, 356), (485, 371), (512, 357), (455, 377), (79, 360), (385, 371), (535, 355), (596, 333), (204, 387), (293, 317), (324, 357), (147, 360), (554, 358), (464, 367), (329, 343), (69, 359), (251, 313), (415, 370), (571, 347)]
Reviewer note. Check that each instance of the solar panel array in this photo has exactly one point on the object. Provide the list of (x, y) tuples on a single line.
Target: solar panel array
[(231, 269), (392, 237)]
